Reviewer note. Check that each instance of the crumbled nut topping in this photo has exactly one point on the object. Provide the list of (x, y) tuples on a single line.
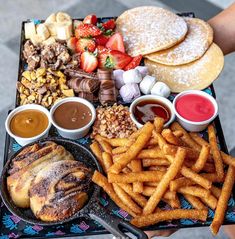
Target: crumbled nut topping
[(113, 122)]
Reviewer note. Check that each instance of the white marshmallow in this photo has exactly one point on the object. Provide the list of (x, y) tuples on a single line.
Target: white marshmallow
[(147, 84), (161, 89), (129, 92), (132, 76), (118, 78), (143, 70)]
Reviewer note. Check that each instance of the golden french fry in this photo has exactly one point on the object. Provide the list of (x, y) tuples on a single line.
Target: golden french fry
[(178, 133), (223, 201), (158, 124), (164, 183), (119, 150), (210, 201), (208, 167), (126, 170), (197, 178), (213, 177), (144, 176), (180, 182), (134, 149), (155, 162), (215, 152), (216, 191), (136, 166), (107, 161), (160, 139), (126, 199), (104, 144), (203, 156), (117, 142), (152, 184), (102, 181), (194, 201), (174, 203), (137, 197), (151, 219), (157, 168), (227, 159), (185, 137), (171, 150), (196, 191), (171, 138), (152, 142), (95, 148), (149, 190), (155, 152)]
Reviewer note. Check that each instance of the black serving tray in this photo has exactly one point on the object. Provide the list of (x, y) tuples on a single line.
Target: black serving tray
[(13, 227)]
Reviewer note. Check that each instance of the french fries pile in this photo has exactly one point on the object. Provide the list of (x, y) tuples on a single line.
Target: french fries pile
[(156, 164)]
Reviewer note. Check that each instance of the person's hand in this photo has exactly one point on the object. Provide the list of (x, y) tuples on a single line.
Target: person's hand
[(160, 233)]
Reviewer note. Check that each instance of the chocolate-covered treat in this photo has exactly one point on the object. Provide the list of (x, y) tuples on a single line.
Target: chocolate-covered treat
[(78, 73), (107, 93), (89, 96), (84, 85)]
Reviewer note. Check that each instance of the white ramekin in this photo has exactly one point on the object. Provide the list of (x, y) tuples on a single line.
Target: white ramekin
[(73, 133), (152, 97), (191, 125), (23, 141)]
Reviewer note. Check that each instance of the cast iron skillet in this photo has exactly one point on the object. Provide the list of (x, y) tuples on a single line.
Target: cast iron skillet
[(92, 208)]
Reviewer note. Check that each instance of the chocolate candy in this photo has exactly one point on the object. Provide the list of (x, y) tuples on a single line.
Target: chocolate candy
[(88, 96), (84, 85), (107, 93)]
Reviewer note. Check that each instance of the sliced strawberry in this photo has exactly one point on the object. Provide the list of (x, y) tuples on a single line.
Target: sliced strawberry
[(116, 43), (71, 43), (114, 60), (87, 30), (90, 19), (101, 40), (134, 63), (110, 24), (89, 61), (85, 44), (101, 49)]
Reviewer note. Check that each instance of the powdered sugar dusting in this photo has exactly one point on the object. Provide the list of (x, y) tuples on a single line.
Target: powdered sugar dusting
[(196, 75), (148, 29), (197, 41)]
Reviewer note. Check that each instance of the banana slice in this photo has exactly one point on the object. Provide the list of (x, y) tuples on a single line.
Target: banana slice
[(36, 39), (49, 41), (64, 30), (62, 17), (29, 30), (42, 31), (51, 18), (52, 28)]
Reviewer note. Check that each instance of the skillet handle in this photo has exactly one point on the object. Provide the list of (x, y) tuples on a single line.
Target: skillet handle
[(114, 225)]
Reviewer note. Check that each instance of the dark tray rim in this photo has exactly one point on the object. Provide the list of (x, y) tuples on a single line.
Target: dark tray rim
[(8, 138)]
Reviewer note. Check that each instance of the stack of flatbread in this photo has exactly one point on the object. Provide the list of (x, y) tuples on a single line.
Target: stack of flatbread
[(178, 51)]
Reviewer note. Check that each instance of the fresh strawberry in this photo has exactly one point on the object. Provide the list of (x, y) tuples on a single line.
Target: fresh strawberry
[(110, 24), (71, 43), (90, 19), (114, 59), (87, 30), (116, 43), (101, 49), (134, 63), (101, 40), (89, 62), (85, 44)]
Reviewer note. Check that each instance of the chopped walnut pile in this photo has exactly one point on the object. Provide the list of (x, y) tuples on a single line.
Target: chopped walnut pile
[(55, 56), (113, 122), (43, 86)]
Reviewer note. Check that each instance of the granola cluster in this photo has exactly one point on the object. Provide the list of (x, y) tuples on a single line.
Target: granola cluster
[(113, 122)]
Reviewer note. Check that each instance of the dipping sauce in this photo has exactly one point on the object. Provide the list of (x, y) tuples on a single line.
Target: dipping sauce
[(147, 110), (195, 107), (28, 123), (72, 115)]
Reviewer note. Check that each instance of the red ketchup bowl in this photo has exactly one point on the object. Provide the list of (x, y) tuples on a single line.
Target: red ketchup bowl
[(195, 109)]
